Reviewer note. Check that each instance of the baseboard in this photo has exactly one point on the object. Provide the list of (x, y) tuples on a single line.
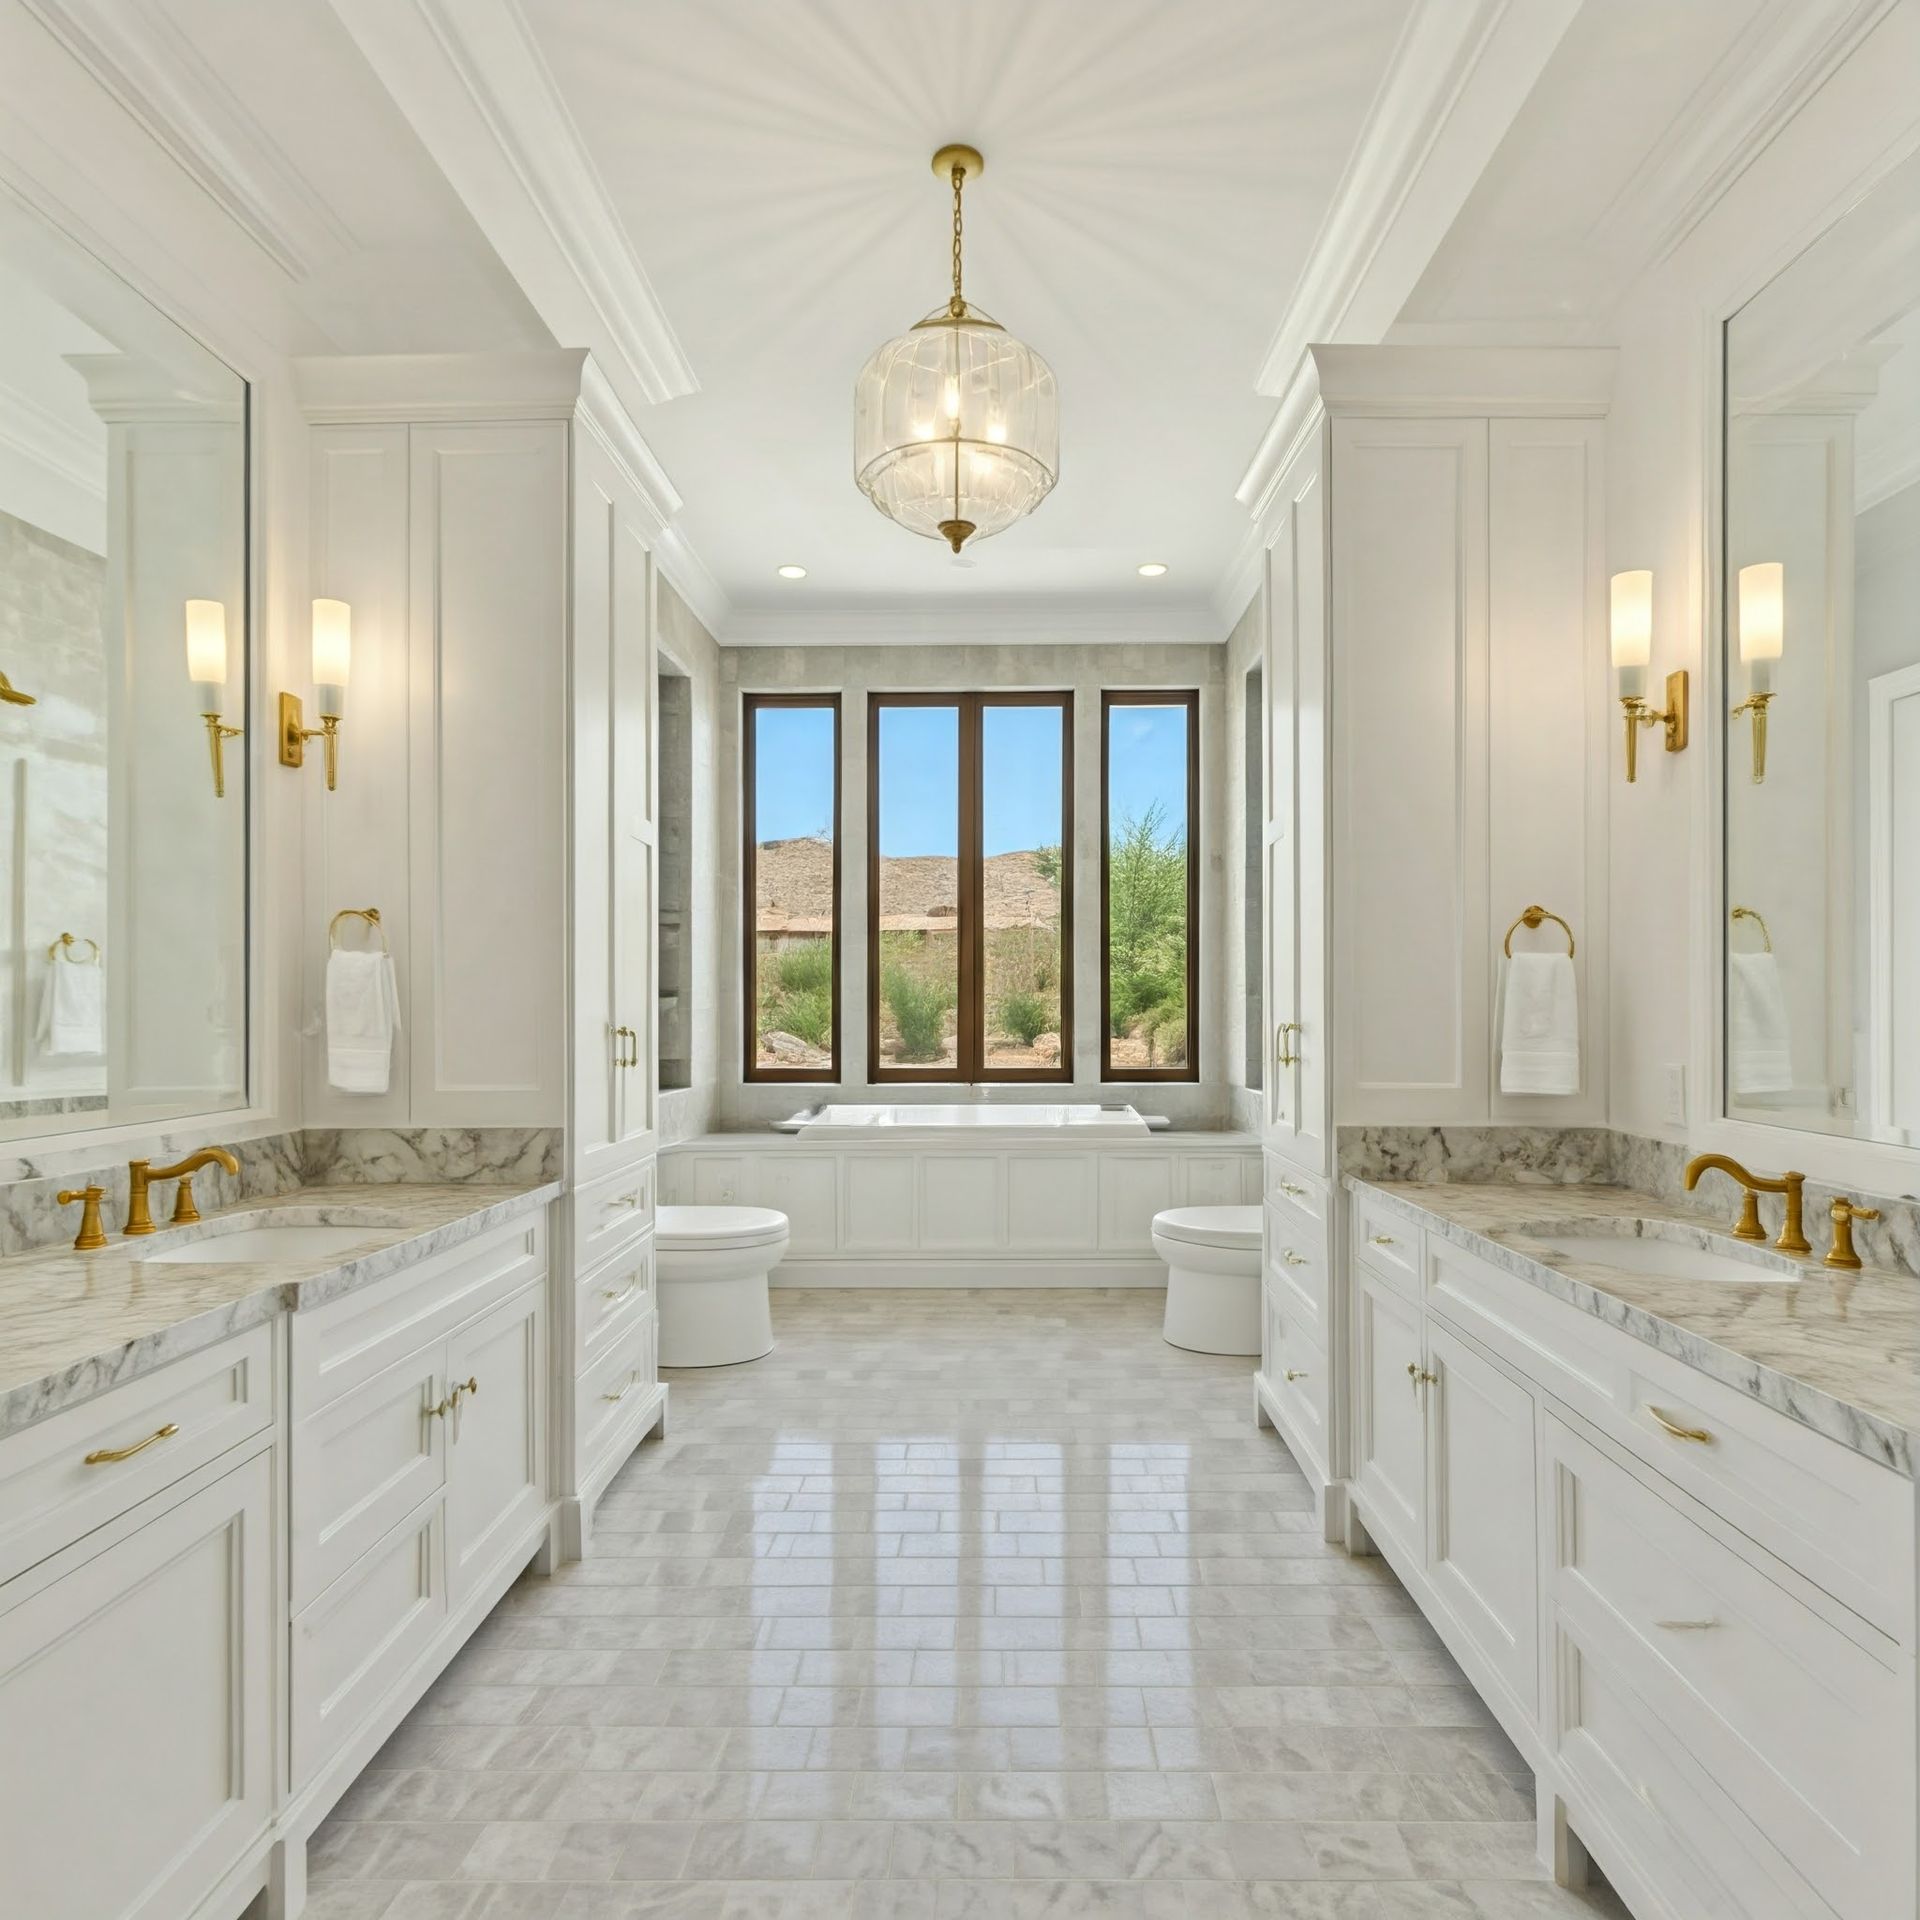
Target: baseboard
[(915, 1270)]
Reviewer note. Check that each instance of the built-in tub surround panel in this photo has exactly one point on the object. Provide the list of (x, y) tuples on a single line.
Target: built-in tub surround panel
[(964, 1211), (1576, 1156), (271, 1164), (1085, 670)]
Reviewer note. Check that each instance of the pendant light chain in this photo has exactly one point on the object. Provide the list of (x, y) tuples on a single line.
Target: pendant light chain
[(957, 306)]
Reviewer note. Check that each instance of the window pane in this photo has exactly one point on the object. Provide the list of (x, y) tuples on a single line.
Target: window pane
[(918, 900), (793, 864), (1021, 753), (1147, 931)]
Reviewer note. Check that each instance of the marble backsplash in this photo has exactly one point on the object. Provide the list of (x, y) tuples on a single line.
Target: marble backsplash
[(1574, 1156), (272, 1164)]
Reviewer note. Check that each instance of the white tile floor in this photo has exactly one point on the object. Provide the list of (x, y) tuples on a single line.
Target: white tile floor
[(957, 1605)]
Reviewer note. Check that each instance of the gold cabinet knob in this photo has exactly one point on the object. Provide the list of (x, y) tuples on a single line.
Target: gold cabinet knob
[(1295, 1373), (1383, 1239), (1295, 1259)]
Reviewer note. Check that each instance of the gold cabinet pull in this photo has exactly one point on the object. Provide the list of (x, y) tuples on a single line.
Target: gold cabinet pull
[(1686, 1626), (1295, 1259), (1297, 1193), (633, 1380), (617, 1294), (1296, 1373), (1282, 1053), (625, 1199), (106, 1456), (1699, 1434), (626, 1052), (1383, 1239), (470, 1385), (1426, 1379)]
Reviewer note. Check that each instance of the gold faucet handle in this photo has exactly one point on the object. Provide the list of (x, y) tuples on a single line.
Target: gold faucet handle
[(1844, 1212), (92, 1234), (185, 1213)]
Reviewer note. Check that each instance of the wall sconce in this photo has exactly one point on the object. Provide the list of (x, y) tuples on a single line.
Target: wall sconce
[(332, 666), (207, 669), (1763, 638), (1632, 636)]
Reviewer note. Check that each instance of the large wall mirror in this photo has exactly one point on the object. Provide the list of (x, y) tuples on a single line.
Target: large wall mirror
[(123, 646), (1822, 640)]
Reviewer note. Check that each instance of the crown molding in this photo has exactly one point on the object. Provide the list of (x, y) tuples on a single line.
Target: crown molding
[(1033, 620), (157, 74), (52, 444), (537, 384), (1787, 53), (471, 81), (1457, 78), (1499, 382), (688, 575)]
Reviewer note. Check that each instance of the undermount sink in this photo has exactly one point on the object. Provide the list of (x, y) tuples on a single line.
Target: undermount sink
[(294, 1241), (1668, 1259)]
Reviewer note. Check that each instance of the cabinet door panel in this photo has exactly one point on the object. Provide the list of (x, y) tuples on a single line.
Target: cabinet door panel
[(1482, 1501), (1410, 652), (487, 651), (635, 704), (135, 1691), (1390, 1428), (496, 1442)]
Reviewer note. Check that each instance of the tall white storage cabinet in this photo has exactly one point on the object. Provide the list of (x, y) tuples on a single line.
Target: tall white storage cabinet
[(1438, 721), (491, 520)]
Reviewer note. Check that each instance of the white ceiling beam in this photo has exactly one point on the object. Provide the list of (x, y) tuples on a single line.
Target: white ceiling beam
[(1460, 74), (471, 81)]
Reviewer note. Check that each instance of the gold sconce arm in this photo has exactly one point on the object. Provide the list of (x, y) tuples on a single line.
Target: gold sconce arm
[(14, 697), (294, 736), (217, 737), (1673, 717), (1757, 704)]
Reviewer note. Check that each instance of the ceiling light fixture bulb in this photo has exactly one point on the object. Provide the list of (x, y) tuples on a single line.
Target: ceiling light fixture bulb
[(1152, 569), (791, 572)]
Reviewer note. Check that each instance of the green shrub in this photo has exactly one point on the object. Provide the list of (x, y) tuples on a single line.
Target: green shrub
[(1026, 1017), (807, 1014), (919, 1009), (805, 967), (1147, 938)]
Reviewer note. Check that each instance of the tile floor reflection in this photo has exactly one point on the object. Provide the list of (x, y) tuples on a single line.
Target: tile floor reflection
[(957, 1605)]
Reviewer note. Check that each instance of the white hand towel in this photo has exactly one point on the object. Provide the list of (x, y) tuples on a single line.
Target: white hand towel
[(73, 1010), (363, 1015), (1759, 1046), (1539, 1025)]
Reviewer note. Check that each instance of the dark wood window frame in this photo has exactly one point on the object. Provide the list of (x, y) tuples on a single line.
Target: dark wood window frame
[(751, 705), (970, 1066), (1188, 697)]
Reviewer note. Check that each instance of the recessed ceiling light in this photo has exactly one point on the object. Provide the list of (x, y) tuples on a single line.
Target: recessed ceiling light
[(791, 572), (1152, 570)]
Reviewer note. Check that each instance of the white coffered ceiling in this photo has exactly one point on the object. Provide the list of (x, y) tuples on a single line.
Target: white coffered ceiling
[(1155, 177)]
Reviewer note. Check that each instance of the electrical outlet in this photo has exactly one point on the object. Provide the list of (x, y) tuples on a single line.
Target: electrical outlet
[(1676, 1105)]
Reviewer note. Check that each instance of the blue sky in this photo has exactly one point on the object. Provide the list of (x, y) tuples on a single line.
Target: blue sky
[(920, 777)]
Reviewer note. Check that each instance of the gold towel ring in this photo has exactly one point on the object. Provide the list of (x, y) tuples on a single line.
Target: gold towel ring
[(1531, 919), (1751, 913), (371, 915), (62, 949)]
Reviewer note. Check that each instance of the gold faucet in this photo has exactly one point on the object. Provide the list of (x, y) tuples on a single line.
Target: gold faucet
[(92, 1234), (1793, 1237), (141, 1174), (1844, 1213)]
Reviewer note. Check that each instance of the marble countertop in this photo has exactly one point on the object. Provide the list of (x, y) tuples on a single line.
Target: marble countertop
[(1838, 1352), (74, 1324)]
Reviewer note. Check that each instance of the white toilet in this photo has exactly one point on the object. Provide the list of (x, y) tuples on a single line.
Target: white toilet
[(711, 1265), (1213, 1277)]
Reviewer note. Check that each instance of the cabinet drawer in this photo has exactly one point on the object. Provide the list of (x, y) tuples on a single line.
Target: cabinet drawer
[(51, 1493), (1288, 1186), (1297, 1380), (1666, 1823), (1829, 1514), (136, 1690), (610, 1212), (1797, 1722), (610, 1297), (612, 1395), (363, 1633), (337, 1347), (1297, 1270), (362, 1464), (1386, 1241)]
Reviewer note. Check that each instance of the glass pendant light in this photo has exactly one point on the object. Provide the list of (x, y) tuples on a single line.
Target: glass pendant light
[(956, 424)]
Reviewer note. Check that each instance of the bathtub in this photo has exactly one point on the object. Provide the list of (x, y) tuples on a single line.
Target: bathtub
[(1083, 1122)]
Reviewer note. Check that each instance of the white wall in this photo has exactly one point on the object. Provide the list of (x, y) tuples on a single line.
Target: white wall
[(853, 672), (1660, 462)]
